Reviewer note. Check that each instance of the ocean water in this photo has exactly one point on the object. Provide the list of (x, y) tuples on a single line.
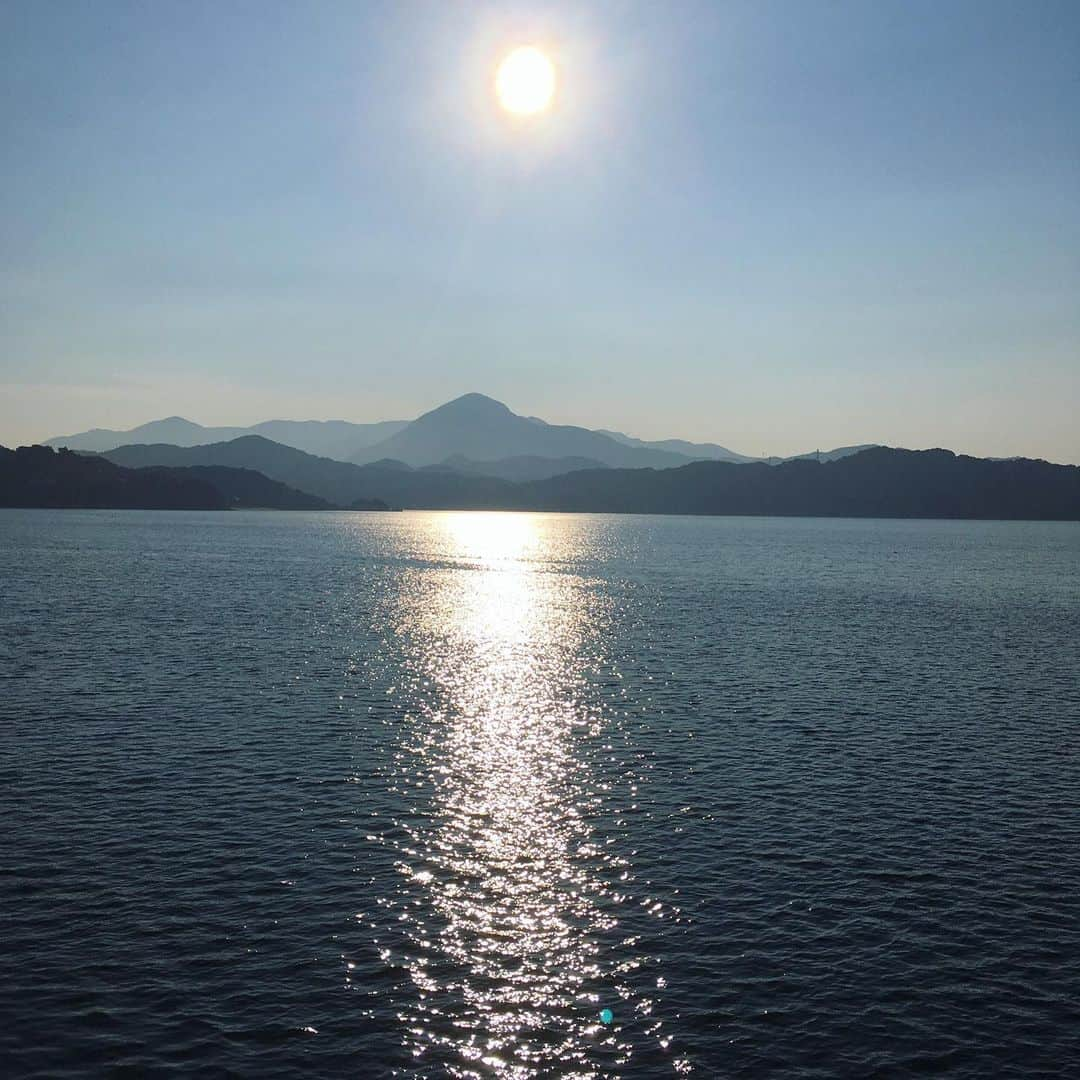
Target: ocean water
[(421, 795)]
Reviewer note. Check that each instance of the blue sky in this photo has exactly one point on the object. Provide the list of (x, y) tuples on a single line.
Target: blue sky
[(772, 225)]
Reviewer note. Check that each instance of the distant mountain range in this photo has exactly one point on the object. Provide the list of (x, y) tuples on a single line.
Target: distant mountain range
[(331, 438), (253, 471), (518, 468), (338, 482), (475, 453), (878, 482), (690, 450), (472, 434)]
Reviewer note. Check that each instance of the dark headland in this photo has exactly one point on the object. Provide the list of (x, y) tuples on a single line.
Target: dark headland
[(38, 476)]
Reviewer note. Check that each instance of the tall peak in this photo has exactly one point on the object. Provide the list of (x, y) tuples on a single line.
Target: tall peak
[(474, 406)]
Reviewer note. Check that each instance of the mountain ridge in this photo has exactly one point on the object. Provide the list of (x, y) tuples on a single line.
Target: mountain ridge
[(878, 482), (40, 476), (480, 428), (473, 426), (327, 438), (692, 450), (338, 482)]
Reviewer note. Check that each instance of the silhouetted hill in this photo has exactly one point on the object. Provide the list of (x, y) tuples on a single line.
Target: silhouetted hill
[(40, 476), (713, 452), (332, 438), (248, 489), (479, 428), (879, 482), (691, 450), (327, 438), (822, 455), (332, 480), (518, 469), (337, 481)]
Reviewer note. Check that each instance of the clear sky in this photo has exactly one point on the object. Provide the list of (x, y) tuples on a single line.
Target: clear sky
[(772, 225)]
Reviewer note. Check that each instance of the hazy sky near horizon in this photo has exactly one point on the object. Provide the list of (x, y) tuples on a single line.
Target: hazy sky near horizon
[(771, 225)]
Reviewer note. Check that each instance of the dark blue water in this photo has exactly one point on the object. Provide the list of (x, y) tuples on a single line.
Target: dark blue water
[(419, 795)]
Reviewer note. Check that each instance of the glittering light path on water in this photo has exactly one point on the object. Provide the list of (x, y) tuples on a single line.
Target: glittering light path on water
[(507, 895)]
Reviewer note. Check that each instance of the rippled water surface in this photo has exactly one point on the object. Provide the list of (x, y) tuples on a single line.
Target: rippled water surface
[(420, 795)]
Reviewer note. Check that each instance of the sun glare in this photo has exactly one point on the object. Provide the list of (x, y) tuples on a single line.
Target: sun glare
[(525, 81)]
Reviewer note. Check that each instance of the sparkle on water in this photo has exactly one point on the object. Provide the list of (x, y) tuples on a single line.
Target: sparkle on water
[(506, 965)]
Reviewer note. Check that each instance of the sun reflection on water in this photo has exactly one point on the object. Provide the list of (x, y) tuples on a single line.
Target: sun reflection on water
[(505, 897)]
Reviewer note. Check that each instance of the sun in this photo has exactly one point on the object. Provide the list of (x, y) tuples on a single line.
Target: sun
[(525, 81)]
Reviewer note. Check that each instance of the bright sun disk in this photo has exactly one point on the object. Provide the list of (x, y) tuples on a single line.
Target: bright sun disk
[(525, 81)]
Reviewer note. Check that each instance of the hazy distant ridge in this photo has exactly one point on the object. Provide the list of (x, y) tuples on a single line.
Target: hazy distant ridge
[(338, 482), (331, 438), (481, 429), (692, 450), (473, 428)]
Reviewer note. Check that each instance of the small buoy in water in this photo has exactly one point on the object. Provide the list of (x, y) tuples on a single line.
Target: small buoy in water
[(606, 1016)]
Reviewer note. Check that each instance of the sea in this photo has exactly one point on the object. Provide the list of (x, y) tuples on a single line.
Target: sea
[(526, 795)]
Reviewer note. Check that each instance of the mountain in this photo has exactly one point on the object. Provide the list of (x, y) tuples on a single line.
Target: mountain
[(330, 438), (40, 476), (521, 468), (479, 428), (693, 451), (822, 455), (338, 482), (714, 452), (327, 438), (477, 434), (878, 482), (43, 477), (174, 429), (248, 489)]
